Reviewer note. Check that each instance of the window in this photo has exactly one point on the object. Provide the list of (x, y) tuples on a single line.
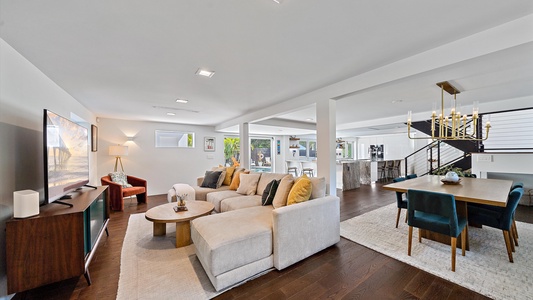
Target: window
[(303, 148), (261, 159), (261, 154), (312, 149), (232, 149), (179, 139)]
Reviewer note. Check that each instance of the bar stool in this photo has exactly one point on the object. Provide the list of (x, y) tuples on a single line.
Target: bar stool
[(382, 167), (397, 168), (307, 167), (291, 167)]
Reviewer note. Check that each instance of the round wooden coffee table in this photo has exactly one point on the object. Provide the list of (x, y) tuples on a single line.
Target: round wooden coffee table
[(165, 213)]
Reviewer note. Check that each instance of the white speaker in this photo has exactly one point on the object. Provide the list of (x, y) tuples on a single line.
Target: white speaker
[(25, 204)]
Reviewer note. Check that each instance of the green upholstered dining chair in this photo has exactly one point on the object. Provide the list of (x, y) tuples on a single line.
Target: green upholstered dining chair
[(514, 231), (498, 217), (400, 201), (435, 212), (410, 176)]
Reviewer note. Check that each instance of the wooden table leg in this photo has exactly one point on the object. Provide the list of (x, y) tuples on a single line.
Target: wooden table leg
[(160, 229), (183, 234)]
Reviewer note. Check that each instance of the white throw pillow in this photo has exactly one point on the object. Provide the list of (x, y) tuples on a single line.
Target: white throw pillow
[(319, 187), (248, 185), (280, 199)]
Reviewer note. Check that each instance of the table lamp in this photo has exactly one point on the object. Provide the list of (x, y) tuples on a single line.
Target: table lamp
[(118, 151)]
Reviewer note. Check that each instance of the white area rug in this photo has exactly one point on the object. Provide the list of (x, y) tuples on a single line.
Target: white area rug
[(485, 268), (153, 268)]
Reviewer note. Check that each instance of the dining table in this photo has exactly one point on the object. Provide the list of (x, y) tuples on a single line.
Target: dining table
[(467, 190)]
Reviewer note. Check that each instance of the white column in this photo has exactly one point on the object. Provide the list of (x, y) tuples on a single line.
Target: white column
[(325, 140), (244, 134)]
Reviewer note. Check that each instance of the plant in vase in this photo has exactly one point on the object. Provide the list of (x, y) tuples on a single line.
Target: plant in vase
[(181, 200)]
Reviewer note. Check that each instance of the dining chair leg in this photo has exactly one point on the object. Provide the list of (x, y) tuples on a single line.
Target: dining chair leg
[(405, 216), (409, 241), (463, 241), (419, 235), (454, 246), (398, 217), (515, 230), (511, 239), (514, 233), (508, 244)]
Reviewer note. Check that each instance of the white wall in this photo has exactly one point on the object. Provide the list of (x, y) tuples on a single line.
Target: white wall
[(161, 167), (24, 92), (396, 146)]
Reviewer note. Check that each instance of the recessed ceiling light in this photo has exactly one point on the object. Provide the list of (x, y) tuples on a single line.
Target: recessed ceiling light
[(278, 1), (397, 101), (170, 114), (181, 100), (205, 73)]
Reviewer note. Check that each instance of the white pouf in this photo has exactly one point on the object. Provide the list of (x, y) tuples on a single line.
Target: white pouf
[(181, 189)]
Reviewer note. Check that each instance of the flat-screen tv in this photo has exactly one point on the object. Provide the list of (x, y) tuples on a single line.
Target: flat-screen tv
[(66, 156)]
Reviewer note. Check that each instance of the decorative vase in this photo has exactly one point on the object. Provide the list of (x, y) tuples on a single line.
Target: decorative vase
[(452, 176)]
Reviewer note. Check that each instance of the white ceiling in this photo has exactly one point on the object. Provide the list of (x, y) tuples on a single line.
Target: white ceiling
[(132, 59)]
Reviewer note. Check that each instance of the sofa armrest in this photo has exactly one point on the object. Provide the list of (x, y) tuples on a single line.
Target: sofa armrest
[(115, 193), (303, 229), (199, 181)]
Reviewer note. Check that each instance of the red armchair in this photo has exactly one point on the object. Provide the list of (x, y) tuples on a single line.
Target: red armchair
[(117, 192)]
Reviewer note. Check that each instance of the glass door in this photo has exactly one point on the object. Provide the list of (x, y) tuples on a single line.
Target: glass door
[(261, 158)]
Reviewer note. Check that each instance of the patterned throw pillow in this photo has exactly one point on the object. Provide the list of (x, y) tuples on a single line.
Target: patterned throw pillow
[(120, 178), (270, 192)]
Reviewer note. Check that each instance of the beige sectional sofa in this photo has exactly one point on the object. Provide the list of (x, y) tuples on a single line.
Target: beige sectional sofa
[(247, 238)]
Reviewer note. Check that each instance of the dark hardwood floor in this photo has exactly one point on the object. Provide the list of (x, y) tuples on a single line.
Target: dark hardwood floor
[(345, 270)]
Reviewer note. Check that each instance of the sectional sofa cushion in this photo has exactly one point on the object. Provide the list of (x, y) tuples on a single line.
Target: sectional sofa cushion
[(201, 192), (221, 247), (300, 191), (285, 185), (211, 179), (235, 203), (248, 185), (217, 197)]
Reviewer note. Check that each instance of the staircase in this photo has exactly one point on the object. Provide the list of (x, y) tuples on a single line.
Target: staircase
[(439, 154)]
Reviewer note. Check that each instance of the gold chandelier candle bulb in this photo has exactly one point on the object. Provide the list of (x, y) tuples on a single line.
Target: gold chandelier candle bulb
[(457, 129)]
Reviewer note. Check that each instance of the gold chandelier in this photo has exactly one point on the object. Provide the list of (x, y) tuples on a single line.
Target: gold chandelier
[(452, 126)]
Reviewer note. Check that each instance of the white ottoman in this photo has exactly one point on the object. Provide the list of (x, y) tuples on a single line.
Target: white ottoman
[(181, 189)]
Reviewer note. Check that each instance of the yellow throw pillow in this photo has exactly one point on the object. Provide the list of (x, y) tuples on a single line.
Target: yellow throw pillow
[(300, 191), (229, 175), (236, 181)]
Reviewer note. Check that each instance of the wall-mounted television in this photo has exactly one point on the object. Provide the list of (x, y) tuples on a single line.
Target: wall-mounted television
[(66, 156)]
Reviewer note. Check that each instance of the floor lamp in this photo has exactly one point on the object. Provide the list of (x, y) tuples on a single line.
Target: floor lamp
[(118, 151)]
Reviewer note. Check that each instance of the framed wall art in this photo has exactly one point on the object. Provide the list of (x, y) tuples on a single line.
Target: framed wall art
[(209, 144)]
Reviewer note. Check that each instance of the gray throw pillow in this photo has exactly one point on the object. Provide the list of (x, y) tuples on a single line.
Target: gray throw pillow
[(211, 179), (270, 192)]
